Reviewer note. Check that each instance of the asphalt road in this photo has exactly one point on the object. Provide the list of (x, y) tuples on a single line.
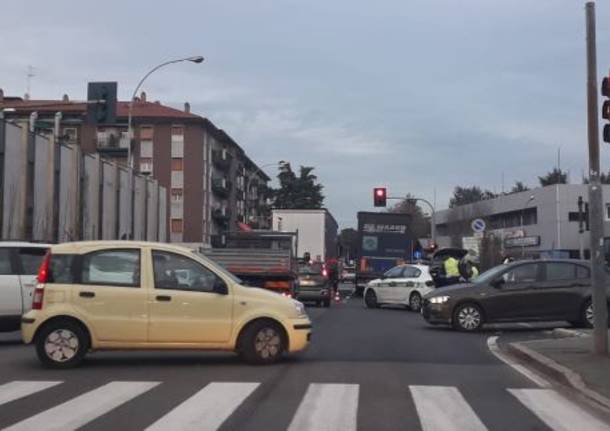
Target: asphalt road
[(382, 369)]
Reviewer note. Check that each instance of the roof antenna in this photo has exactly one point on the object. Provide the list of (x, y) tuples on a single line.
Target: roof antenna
[(29, 75)]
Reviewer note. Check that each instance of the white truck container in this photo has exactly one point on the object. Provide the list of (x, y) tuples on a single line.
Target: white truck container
[(316, 228)]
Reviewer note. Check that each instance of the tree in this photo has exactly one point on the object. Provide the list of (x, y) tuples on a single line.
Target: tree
[(469, 195), (420, 225), (348, 241), (519, 187), (302, 192), (556, 176)]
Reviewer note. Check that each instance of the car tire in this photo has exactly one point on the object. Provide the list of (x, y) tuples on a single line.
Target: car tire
[(262, 343), (586, 315), (61, 344), (370, 299), (415, 302), (467, 317)]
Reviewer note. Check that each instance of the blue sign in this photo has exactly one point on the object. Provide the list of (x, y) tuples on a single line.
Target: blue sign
[(478, 225), (417, 254)]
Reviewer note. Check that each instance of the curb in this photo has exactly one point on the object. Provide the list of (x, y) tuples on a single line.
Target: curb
[(556, 371)]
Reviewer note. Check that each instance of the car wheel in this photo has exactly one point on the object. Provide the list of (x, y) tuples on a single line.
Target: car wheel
[(262, 343), (467, 317), (370, 299), (62, 344), (415, 301)]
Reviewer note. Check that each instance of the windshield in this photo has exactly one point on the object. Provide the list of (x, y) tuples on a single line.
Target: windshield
[(222, 270), (490, 274)]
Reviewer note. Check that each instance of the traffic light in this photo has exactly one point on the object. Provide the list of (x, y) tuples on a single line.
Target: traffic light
[(380, 196), (606, 108), (101, 102)]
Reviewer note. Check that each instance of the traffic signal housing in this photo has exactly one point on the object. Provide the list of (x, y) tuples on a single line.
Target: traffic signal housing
[(606, 108), (101, 102), (380, 196)]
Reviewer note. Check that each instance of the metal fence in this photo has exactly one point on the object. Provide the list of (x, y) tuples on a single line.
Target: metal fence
[(52, 192)]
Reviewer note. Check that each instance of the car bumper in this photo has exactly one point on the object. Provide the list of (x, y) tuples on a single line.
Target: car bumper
[(300, 335), (314, 295), (436, 313)]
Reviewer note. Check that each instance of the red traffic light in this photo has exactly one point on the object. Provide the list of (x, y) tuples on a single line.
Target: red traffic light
[(379, 196)]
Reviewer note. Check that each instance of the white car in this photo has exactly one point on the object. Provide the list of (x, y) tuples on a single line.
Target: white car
[(19, 263), (401, 285)]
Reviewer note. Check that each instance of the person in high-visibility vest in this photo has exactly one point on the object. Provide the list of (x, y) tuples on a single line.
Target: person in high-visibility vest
[(475, 273), (452, 271)]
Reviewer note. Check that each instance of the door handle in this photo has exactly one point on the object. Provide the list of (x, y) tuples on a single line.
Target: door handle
[(163, 298), (86, 294)]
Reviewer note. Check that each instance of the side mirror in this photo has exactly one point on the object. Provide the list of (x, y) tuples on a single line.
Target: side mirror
[(498, 283), (220, 286)]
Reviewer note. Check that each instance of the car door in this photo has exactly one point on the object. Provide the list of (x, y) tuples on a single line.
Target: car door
[(406, 284), (388, 286), (11, 305), (560, 294), (187, 308), (111, 293), (29, 260), (512, 298)]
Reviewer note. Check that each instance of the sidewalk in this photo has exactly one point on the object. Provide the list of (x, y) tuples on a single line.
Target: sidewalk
[(567, 358)]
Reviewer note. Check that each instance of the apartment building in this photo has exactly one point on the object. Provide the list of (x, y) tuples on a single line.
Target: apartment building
[(211, 183)]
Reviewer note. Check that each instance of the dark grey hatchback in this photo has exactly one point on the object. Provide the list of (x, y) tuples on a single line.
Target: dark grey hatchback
[(529, 290)]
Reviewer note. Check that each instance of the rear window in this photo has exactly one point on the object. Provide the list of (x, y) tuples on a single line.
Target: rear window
[(411, 272), (313, 269), (556, 271), (31, 258), (61, 271)]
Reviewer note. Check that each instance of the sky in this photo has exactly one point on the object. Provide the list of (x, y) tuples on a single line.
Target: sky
[(416, 95)]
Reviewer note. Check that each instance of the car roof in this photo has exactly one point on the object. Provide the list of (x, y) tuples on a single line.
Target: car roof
[(521, 262), (80, 247)]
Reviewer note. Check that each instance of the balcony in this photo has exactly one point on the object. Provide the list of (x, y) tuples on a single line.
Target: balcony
[(221, 215), (222, 159), (221, 187), (112, 142)]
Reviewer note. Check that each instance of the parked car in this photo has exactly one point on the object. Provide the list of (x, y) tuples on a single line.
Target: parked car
[(19, 262), (402, 285), (348, 274), (137, 295), (313, 284), (530, 290)]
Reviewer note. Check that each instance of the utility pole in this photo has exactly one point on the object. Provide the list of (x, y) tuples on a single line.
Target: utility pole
[(600, 312)]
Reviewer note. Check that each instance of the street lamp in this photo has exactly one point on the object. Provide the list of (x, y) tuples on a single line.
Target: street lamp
[(194, 59), (531, 198)]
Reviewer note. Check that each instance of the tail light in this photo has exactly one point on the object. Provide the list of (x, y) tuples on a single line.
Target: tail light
[(43, 277)]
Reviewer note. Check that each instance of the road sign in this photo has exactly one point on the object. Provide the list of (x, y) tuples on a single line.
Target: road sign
[(417, 254), (478, 225)]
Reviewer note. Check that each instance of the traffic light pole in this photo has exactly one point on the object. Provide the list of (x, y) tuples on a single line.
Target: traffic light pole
[(600, 311), (432, 214)]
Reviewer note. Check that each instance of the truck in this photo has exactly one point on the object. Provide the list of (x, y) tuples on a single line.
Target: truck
[(316, 228), (384, 241), (264, 259)]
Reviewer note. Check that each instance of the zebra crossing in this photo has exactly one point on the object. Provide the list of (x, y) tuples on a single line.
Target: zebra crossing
[(438, 408)]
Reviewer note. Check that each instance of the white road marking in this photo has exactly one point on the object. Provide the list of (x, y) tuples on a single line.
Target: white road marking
[(83, 409), (492, 344), (18, 389), (207, 409), (558, 412), (327, 407), (442, 408)]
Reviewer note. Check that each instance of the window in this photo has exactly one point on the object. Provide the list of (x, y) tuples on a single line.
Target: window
[(177, 195), (61, 270), (146, 133), (146, 166), (174, 271), (31, 258), (527, 273), (582, 272), (177, 164), (5, 262), (112, 267), (176, 225), (70, 134), (177, 132), (607, 211), (411, 272), (146, 149), (556, 271), (395, 272)]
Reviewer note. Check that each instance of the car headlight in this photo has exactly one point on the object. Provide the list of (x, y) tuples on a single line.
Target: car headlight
[(300, 308), (439, 299)]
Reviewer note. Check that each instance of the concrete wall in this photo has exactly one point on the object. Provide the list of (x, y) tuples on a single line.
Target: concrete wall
[(44, 186), (13, 205), (92, 178), (69, 191), (109, 200)]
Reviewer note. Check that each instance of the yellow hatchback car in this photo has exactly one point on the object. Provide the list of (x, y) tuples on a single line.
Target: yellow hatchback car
[(106, 295)]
